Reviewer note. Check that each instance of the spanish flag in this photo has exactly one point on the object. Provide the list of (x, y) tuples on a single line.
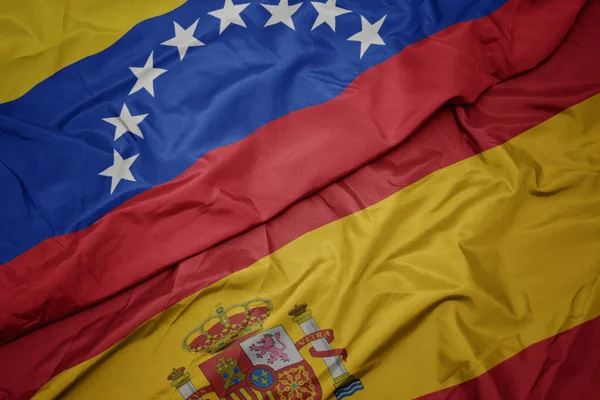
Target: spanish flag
[(299, 200)]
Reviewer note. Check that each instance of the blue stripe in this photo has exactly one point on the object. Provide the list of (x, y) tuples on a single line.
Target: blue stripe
[(54, 143), (348, 390)]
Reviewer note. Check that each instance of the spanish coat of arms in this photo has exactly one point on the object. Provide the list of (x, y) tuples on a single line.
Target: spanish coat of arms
[(250, 363)]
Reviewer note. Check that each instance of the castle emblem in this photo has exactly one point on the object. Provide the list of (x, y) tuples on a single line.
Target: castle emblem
[(229, 371), (252, 363)]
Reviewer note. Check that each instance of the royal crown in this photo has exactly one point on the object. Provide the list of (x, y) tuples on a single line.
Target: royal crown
[(179, 377), (228, 325), (176, 373), (298, 310)]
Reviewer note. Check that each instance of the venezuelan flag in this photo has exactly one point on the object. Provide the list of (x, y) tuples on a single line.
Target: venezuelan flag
[(285, 199)]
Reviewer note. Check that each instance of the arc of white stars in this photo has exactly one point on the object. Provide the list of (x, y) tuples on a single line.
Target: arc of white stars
[(229, 14), (368, 35), (328, 12), (126, 122), (119, 170), (282, 12), (146, 76), (184, 38)]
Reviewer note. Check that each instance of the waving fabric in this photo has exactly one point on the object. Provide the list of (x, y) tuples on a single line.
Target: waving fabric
[(300, 200)]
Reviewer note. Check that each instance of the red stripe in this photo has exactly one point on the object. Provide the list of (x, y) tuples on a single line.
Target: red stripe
[(566, 366), (250, 393), (504, 111), (236, 187)]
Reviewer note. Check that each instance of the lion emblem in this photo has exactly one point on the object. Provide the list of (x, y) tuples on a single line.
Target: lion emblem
[(269, 345)]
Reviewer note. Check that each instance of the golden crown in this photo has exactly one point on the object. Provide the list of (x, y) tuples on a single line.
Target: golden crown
[(176, 373), (228, 325)]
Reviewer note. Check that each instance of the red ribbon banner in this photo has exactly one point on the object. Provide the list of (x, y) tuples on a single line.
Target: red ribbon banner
[(327, 335), (201, 392)]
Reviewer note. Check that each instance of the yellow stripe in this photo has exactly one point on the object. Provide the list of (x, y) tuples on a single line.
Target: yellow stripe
[(270, 395), (257, 394), (245, 394), (48, 35), (426, 289)]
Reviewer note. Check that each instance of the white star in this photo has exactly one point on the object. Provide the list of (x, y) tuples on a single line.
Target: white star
[(328, 12), (282, 13), (146, 76), (126, 123), (229, 14), (119, 170), (184, 39), (368, 35)]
